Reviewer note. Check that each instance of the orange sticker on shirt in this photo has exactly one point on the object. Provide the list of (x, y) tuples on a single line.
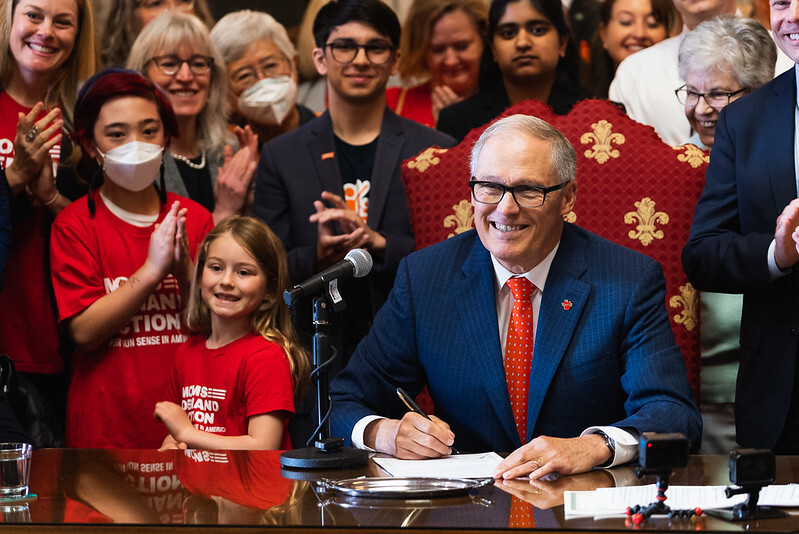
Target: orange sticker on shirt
[(357, 197)]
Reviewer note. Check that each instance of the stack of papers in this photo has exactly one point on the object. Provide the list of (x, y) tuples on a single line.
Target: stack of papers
[(456, 466), (605, 502)]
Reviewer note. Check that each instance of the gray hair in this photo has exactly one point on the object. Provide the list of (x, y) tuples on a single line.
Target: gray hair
[(564, 157), (738, 46), (164, 35), (235, 32)]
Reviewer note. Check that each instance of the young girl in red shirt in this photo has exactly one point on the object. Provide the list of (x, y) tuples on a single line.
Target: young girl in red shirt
[(234, 380)]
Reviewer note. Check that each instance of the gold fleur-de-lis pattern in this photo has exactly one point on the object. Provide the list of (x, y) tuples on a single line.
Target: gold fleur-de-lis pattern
[(462, 219), (426, 159), (688, 301), (646, 230), (694, 156), (602, 137)]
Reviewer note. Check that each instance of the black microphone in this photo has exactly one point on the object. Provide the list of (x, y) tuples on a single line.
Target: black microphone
[(356, 264)]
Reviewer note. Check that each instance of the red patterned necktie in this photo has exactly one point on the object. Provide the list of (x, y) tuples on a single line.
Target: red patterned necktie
[(521, 514), (519, 350)]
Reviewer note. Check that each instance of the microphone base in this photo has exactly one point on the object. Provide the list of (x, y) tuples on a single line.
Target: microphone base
[(314, 458)]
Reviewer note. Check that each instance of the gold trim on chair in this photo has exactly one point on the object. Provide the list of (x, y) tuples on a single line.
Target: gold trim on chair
[(694, 155), (602, 137), (647, 218), (688, 301), (462, 220), (426, 159)]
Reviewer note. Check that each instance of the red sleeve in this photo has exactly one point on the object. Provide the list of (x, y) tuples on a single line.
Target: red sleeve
[(267, 381), (77, 281)]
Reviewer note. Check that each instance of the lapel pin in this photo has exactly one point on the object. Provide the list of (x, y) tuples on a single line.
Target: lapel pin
[(327, 155), (567, 305)]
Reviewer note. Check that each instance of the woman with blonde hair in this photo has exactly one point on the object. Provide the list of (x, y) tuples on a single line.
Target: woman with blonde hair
[(441, 47), (47, 50), (175, 51)]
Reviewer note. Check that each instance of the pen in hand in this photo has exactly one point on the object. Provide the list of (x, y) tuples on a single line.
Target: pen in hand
[(408, 401)]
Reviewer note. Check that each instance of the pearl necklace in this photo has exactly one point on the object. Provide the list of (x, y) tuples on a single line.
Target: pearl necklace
[(187, 161)]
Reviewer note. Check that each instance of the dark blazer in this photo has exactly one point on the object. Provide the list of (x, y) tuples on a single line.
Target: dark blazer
[(604, 353), (297, 166), (483, 107), (749, 181)]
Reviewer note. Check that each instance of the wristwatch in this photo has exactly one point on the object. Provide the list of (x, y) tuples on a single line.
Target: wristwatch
[(611, 444)]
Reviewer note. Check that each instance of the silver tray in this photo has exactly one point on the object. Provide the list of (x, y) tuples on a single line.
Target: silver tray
[(404, 488)]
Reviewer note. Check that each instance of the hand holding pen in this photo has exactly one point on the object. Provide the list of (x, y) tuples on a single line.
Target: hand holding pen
[(413, 407)]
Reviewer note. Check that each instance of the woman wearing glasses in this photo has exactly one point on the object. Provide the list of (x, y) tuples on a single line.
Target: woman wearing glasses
[(126, 18), (262, 73), (175, 52), (721, 60)]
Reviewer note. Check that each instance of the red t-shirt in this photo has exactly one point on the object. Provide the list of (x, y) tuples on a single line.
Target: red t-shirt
[(221, 388), (27, 323), (415, 103), (114, 389), (248, 478), (142, 483)]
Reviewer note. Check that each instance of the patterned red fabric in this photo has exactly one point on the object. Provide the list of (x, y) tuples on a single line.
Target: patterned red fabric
[(519, 350), (633, 189)]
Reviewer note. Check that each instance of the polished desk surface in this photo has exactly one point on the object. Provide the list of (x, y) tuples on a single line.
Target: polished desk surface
[(242, 490)]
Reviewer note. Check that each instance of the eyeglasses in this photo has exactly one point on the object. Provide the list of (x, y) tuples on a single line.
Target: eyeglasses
[(346, 50), (171, 64), (714, 99), (185, 5), (526, 196), (269, 67)]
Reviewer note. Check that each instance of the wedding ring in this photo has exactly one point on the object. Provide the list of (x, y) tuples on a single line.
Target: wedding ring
[(32, 133), (536, 463)]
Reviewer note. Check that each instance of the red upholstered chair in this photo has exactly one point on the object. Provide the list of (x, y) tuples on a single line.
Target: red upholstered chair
[(633, 190)]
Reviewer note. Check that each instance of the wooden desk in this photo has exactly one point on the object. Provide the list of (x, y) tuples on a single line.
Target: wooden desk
[(149, 491)]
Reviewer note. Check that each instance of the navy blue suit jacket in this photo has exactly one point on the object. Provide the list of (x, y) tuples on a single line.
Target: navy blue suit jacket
[(608, 358), (297, 166), (749, 181)]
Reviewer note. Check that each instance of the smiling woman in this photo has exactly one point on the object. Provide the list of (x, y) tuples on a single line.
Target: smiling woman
[(441, 46), (175, 51), (46, 49), (625, 27)]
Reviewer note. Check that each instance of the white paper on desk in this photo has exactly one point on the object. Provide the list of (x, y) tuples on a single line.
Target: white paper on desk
[(614, 501), (456, 466)]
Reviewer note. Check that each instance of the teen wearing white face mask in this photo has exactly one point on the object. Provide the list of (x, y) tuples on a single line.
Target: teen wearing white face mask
[(119, 261), (261, 67)]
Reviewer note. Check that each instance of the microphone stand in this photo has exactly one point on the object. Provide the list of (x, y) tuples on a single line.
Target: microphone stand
[(328, 452)]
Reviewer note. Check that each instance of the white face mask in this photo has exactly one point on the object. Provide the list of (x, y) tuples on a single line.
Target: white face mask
[(132, 166), (269, 101)]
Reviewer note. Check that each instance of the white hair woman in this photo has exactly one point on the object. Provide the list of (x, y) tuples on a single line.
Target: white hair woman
[(722, 60), (261, 67)]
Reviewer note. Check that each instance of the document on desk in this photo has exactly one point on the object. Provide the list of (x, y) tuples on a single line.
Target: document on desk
[(605, 502), (456, 466)]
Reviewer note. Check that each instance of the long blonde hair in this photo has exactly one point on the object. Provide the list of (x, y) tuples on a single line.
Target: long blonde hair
[(79, 66), (272, 319)]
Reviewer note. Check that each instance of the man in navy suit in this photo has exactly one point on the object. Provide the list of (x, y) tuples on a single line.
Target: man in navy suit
[(605, 366), (740, 242)]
